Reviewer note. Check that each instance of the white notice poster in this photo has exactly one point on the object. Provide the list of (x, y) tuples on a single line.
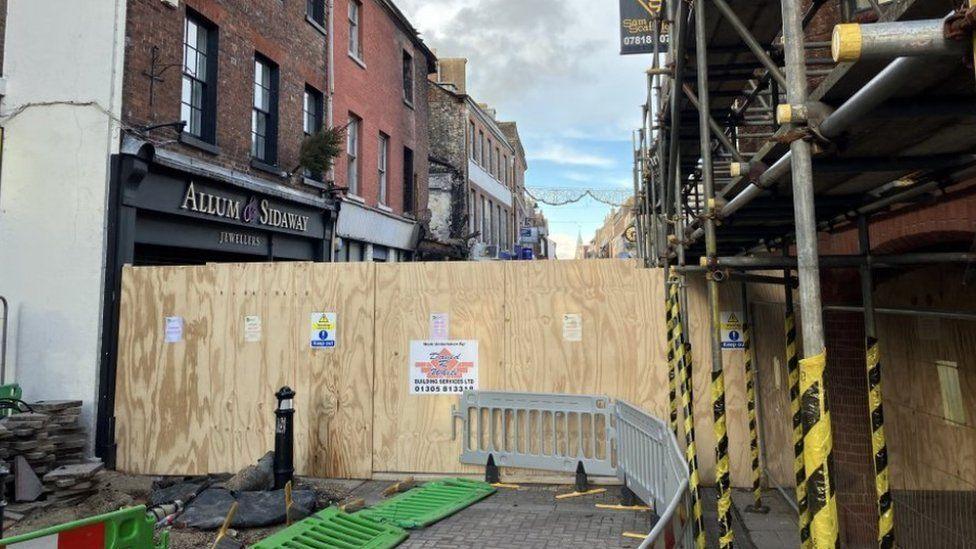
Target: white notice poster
[(252, 329), (324, 327), (732, 330), (443, 367), (174, 329), (573, 327), (440, 325)]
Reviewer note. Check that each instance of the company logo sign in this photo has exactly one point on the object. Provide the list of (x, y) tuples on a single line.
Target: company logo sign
[(251, 211)]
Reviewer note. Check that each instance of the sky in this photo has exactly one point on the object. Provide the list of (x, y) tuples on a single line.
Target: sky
[(554, 67)]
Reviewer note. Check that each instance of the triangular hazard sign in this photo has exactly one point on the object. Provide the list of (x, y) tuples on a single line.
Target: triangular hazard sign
[(732, 318)]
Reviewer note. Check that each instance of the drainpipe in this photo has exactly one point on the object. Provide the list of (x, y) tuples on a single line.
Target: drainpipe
[(330, 113)]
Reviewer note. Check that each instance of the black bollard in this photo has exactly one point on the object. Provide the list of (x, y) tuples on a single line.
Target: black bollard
[(284, 466)]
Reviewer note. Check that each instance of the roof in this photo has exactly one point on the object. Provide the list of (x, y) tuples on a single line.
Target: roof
[(411, 31)]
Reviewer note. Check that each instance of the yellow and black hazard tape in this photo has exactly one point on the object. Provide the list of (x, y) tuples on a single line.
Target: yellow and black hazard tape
[(817, 448), (682, 359), (672, 367), (722, 479), (886, 512), (757, 505), (799, 471)]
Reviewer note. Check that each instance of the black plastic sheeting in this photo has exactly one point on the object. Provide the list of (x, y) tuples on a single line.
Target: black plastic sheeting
[(255, 509)]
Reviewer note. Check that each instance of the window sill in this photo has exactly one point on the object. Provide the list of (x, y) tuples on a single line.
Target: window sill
[(315, 183), (198, 143), (258, 165), (316, 25), (385, 208), (358, 61), (408, 103), (355, 198)]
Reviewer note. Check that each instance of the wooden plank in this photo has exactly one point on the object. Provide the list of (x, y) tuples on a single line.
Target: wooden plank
[(341, 379), (413, 433)]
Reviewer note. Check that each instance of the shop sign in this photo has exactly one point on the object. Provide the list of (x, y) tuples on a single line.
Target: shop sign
[(262, 212), (443, 367), (637, 26)]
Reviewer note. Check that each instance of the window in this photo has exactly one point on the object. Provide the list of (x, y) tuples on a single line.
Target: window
[(471, 141), (352, 153), (383, 163), (498, 225), (485, 220), (481, 148), (312, 107), (490, 161), (408, 181), (198, 101), (355, 30), (264, 115), (496, 166), (473, 212), (505, 170), (315, 11), (407, 78)]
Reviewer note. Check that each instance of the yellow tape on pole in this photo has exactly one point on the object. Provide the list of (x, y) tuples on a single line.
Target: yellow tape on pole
[(683, 360), (672, 367), (886, 512), (753, 424), (722, 479), (799, 470), (817, 447)]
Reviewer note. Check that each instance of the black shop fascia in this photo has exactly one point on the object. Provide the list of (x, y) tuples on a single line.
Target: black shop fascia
[(174, 211)]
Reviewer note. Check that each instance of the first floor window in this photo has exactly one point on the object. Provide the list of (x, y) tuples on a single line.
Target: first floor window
[(264, 115), (352, 154), (473, 212), (383, 165), (312, 108), (197, 102), (315, 10), (355, 44)]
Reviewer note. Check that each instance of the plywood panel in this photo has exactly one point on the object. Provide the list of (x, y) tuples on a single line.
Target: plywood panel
[(354, 415), (163, 396), (774, 390), (413, 433), (341, 380)]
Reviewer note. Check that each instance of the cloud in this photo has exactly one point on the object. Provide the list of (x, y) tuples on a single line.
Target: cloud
[(559, 153), (565, 245)]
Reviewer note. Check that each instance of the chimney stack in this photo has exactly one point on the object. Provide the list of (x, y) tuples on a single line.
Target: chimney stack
[(453, 72)]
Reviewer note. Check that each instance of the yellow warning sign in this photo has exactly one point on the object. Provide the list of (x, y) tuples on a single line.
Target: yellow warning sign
[(732, 329)]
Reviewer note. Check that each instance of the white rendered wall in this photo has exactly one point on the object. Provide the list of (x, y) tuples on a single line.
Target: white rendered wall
[(63, 71)]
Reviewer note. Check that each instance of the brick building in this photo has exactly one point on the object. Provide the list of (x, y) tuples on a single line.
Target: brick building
[(381, 69), (480, 162)]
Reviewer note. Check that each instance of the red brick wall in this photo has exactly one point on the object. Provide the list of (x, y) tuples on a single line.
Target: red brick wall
[(374, 93), (278, 30), (947, 223)]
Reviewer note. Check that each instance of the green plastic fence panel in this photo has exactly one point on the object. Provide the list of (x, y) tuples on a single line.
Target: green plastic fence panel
[(10, 391), (333, 529), (427, 504), (126, 529)]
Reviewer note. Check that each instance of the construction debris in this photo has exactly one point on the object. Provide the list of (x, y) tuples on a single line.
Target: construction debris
[(254, 478), (256, 509), (70, 484), (27, 487)]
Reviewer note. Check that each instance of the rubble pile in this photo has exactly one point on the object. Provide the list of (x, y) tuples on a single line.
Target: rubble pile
[(63, 430), (31, 440), (43, 448), (71, 484)]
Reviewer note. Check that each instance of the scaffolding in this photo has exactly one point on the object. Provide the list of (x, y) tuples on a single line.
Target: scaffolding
[(754, 139)]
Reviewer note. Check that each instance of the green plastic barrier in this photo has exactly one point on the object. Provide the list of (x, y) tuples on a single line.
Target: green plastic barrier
[(429, 503), (333, 529), (125, 529), (10, 391)]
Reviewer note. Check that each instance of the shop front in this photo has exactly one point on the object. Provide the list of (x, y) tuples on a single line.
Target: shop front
[(168, 209)]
